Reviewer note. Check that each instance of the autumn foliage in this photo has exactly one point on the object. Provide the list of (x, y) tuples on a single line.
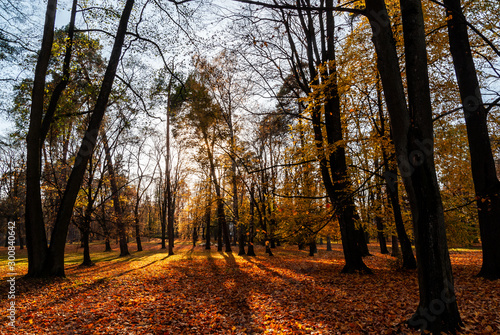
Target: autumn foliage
[(207, 292)]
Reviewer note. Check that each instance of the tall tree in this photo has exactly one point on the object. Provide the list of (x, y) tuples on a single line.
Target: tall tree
[(413, 139), (49, 261), (221, 76), (203, 116), (486, 183), (36, 239), (316, 74)]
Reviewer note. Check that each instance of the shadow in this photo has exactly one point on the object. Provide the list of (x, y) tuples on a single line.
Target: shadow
[(203, 292)]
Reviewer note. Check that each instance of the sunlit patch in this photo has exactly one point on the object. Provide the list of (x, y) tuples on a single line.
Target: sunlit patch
[(196, 292)]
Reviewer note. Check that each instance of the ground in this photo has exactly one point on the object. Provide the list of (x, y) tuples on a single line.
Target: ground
[(201, 292)]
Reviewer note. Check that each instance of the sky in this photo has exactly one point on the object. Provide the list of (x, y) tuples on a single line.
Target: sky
[(36, 10)]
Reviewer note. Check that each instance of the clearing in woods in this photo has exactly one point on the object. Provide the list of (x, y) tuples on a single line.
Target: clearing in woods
[(201, 292)]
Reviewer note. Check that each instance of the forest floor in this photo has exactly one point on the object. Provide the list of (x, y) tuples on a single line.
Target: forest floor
[(201, 292)]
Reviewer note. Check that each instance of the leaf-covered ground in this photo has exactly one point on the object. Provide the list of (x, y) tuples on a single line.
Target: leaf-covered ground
[(200, 292)]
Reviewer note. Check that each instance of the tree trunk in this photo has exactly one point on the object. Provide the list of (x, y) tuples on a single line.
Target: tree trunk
[(137, 231), (107, 245), (36, 240), (208, 212), (486, 183), (87, 261), (163, 218), (391, 178), (378, 215), (219, 231), (195, 235), (107, 235), (20, 236), (395, 246), (240, 226), (335, 178), (136, 217), (268, 248), (328, 243), (120, 222), (392, 189), (221, 217), (250, 251), (55, 260), (312, 248), (85, 229), (170, 228), (362, 242), (170, 196), (412, 130), (380, 235)]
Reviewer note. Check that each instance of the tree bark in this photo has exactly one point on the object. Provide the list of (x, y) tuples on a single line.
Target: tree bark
[(208, 211), (486, 183), (378, 216), (107, 247), (105, 229), (170, 220), (36, 240), (170, 197), (391, 182), (312, 248), (380, 234), (87, 261), (250, 251), (395, 246), (163, 217), (413, 139), (137, 230)]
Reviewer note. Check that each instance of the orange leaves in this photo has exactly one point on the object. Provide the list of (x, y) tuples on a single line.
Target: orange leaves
[(220, 293)]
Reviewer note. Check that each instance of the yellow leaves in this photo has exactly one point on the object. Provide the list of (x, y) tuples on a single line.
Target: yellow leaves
[(488, 330)]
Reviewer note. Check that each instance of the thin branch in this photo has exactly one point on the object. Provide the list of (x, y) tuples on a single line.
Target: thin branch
[(283, 165), (294, 7)]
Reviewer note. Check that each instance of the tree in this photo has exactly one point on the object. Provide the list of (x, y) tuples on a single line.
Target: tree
[(140, 190), (202, 115), (325, 110), (226, 89), (35, 231), (43, 260), (117, 206), (413, 139), (486, 183)]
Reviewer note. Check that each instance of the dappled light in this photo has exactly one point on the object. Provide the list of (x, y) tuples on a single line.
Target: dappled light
[(199, 292)]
